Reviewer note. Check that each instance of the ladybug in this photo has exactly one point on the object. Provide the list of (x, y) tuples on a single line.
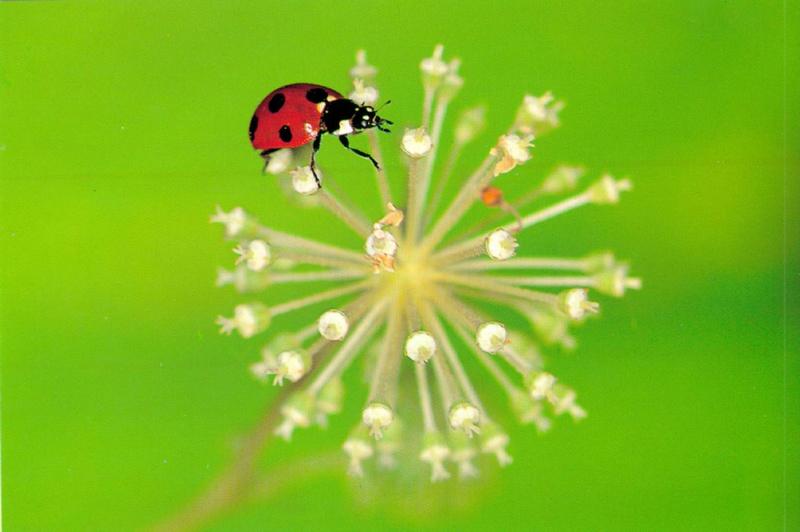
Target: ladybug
[(297, 114)]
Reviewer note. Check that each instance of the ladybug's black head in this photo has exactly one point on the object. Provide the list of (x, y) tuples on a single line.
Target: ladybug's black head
[(366, 117)]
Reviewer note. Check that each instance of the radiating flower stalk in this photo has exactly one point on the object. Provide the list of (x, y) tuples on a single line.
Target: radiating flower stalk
[(413, 300)]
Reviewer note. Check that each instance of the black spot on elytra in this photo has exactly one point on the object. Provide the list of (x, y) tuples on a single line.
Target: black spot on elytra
[(253, 127), (285, 133), (276, 102), (316, 95)]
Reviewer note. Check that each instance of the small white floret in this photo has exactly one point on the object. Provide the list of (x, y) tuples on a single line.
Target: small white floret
[(500, 244), (279, 161), (435, 455), (420, 346), (364, 94), (377, 416), (291, 365), (380, 243), (433, 68), (566, 402), (466, 417), (575, 303), (511, 150), (362, 69), (233, 221), (333, 325), (247, 320), (303, 181), (496, 445), (607, 189), (358, 449), (469, 124), (256, 254), (541, 385), (416, 143), (491, 336)]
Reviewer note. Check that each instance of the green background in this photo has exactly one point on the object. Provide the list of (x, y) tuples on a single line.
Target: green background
[(123, 124)]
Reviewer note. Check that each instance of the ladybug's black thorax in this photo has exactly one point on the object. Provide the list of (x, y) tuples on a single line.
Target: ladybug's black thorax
[(335, 112)]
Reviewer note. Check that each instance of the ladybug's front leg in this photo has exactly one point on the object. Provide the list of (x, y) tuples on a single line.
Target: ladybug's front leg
[(346, 143), (314, 149)]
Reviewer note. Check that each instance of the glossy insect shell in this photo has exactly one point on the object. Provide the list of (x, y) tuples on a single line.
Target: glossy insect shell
[(289, 116)]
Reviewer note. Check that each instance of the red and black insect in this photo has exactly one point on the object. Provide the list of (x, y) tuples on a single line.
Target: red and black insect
[(296, 114)]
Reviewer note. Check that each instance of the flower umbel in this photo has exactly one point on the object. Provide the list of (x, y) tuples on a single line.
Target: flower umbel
[(412, 301)]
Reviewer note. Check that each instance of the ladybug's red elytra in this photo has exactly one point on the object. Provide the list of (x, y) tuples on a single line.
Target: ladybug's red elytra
[(294, 115)]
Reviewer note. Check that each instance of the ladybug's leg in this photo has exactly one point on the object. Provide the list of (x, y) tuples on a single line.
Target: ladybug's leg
[(346, 143), (314, 149)]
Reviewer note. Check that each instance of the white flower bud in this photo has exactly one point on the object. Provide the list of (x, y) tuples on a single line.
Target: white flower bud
[(377, 416), (452, 82), (416, 143), (599, 261), (433, 68), (435, 452), (469, 124), (256, 254), (607, 189), (380, 243), (233, 221), (529, 411), (516, 147), (291, 365), (536, 107), (465, 417), (420, 346), (362, 69), (279, 161), (491, 336), (364, 94), (225, 277), (333, 325), (540, 384), (494, 441), (296, 412), (614, 281), (575, 303), (303, 181), (243, 279), (500, 244), (358, 448), (248, 319), (512, 150), (538, 114), (564, 401), (269, 361), (463, 451), (562, 179)]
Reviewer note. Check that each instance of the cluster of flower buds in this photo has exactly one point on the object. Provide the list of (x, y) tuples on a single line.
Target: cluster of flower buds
[(432, 289)]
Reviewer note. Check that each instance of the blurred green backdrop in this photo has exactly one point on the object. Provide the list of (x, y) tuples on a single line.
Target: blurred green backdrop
[(123, 124)]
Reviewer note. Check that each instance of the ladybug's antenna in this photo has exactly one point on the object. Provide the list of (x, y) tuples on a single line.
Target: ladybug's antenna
[(384, 104)]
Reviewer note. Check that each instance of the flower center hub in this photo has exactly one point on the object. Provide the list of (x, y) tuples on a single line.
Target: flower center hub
[(413, 273)]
